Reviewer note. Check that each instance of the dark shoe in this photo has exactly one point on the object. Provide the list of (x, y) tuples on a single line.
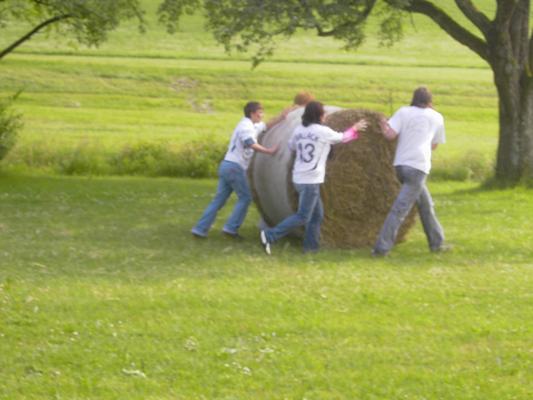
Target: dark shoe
[(233, 235), (198, 235), (379, 254), (265, 243), (443, 248)]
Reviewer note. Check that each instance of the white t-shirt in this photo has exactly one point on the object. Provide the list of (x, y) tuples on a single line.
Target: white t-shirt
[(312, 145), (244, 135), (417, 128)]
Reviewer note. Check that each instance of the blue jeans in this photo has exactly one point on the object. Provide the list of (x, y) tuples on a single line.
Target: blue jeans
[(231, 177), (413, 190), (310, 213)]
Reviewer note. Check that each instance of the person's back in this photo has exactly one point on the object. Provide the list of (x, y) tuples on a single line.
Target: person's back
[(418, 129), (312, 145)]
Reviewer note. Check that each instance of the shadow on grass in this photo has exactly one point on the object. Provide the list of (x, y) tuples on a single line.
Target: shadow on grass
[(139, 229)]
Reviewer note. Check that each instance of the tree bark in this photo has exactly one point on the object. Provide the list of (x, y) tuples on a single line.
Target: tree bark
[(526, 127), (509, 46), (508, 160), (28, 35)]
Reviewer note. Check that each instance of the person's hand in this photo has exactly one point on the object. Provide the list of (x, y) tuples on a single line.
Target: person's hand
[(360, 125), (386, 130), (384, 124), (274, 149)]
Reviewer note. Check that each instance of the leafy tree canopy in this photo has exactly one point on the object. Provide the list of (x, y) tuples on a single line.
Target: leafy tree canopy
[(87, 21), (260, 24)]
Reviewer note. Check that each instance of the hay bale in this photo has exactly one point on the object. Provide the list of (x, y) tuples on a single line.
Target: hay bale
[(360, 184)]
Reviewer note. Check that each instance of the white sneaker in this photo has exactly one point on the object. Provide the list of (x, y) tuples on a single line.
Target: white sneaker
[(265, 243)]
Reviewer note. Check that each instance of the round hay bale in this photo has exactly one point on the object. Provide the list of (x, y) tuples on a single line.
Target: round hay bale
[(359, 188)]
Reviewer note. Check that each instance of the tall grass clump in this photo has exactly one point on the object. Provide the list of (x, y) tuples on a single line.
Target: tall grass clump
[(10, 125), (197, 159), (473, 166)]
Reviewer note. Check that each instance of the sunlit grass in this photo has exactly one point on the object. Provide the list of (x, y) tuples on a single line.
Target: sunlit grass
[(105, 294)]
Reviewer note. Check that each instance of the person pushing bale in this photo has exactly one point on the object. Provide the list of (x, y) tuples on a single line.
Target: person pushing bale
[(311, 142), (232, 171), (419, 129)]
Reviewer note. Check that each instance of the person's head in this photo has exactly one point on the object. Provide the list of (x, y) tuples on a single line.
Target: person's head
[(422, 97), (313, 113), (254, 111), (302, 98)]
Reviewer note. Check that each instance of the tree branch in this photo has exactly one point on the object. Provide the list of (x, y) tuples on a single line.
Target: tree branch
[(361, 17), (452, 28), (480, 20), (307, 9), (504, 12), (28, 36), (519, 32)]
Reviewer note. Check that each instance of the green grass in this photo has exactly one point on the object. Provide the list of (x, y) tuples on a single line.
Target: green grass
[(159, 88), (105, 295)]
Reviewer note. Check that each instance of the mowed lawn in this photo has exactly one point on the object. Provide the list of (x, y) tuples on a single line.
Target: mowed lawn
[(105, 295)]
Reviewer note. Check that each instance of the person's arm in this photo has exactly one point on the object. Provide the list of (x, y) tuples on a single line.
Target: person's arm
[(263, 149), (352, 133), (292, 143), (280, 117), (252, 144), (440, 136), (388, 132)]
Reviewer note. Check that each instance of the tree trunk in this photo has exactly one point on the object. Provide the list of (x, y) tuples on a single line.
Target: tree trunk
[(515, 147), (508, 160), (509, 57), (526, 127)]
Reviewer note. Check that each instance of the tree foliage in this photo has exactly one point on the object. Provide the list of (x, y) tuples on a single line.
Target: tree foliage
[(261, 24), (87, 21)]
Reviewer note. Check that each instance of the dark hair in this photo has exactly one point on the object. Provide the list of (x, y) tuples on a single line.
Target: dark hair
[(422, 97), (314, 110), (251, 107)]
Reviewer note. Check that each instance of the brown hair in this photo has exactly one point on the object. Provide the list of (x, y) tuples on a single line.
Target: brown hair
[(422, 97), (251, 107), (302, 98), (314, 110)]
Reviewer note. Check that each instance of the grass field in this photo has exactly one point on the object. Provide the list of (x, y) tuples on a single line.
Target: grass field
[(98, 304), (104, 294), (166, 89)]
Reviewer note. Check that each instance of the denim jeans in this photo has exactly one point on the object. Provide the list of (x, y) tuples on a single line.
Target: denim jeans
[(310, 213), (231, 177), (413, 190)]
